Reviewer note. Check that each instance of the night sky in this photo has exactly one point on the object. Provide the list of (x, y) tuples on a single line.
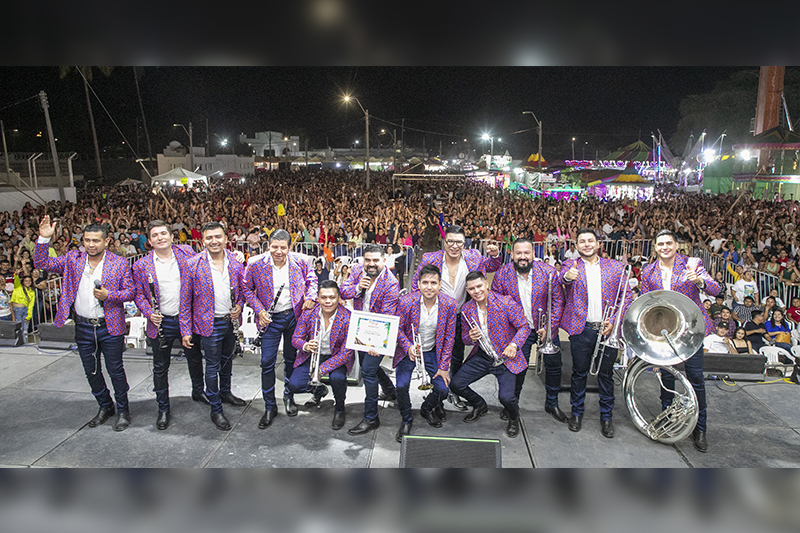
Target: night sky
[(608, 107)]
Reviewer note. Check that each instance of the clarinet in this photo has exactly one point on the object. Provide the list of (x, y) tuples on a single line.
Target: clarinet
[(257, 340), (156, 309)]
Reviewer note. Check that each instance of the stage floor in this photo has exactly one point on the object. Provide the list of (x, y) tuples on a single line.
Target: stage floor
[(45, 403)]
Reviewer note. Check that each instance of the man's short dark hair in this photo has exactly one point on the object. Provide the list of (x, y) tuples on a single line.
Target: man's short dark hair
[(374, 249), (722, 325), (96, 228), (430, 269), (328, 284), (280, 235), (748, 298), (210, 226), (755, 314), (586, 230), (475, 274), (454, 228), (719, 296), (521, 240), (667, 232), (156, 224), (724, 308)]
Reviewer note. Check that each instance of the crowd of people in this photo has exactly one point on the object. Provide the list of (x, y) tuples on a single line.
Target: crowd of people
[(335, 212)]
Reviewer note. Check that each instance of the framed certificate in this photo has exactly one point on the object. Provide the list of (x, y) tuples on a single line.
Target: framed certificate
[(372, 331)]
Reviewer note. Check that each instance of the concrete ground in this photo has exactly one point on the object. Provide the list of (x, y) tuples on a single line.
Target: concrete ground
[(45, 404)]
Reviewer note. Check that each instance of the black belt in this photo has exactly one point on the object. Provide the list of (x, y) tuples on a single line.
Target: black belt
[(597, 326), (290, 310), (173, 317), (96, 322)]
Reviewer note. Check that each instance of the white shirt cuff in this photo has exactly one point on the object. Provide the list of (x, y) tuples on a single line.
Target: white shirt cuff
[(43, 240)]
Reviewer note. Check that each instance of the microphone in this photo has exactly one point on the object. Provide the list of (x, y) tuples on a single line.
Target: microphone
[(364, 291), (98, 285)]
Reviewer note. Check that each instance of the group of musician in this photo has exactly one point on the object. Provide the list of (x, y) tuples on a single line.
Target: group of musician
[(197, 298)]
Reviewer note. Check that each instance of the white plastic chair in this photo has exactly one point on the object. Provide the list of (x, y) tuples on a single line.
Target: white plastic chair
[(248, 315), (136, 335), (796, 336), (773, 353), (795, 353)]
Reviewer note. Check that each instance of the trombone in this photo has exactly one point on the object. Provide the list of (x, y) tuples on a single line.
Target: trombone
[(612, 311), (313, 367), (419, 363), (485, 343), (548, 348)]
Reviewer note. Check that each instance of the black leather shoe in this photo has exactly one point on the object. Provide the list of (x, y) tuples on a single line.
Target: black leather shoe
[(476, 413), (338, 420), (162, 422), (319, 394), (123, 421), (364, 426), (557, 413), (101, 416), (457, 402), (391, 397), (290, 406), (431, 417), (700, 442), (405, 429), (200, 397), (230, 399), (220, 421), (504, 414), (607, 429), (267, 418), (513, 428), (793, 378), (575, 423), (440, 412)]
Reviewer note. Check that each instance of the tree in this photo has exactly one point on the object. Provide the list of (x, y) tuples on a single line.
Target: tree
[(63, 72)]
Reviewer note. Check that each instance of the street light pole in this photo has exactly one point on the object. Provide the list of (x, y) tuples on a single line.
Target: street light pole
[(573, 148), (191, 151), (366, 117), (539, 124)]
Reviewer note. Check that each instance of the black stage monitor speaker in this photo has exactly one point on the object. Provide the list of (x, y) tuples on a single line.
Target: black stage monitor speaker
[(53, 338), (566, 370), (738, 367), (10, 333), (449, 452)]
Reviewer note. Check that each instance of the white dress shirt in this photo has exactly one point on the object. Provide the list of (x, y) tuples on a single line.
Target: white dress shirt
[(222, 287), (325, 342), (459, 291), (169, 284), (483, 323), (594, 291), (280, 276), (86, 305), (427, 324), (666, 277), (368, 294), (525, 287)]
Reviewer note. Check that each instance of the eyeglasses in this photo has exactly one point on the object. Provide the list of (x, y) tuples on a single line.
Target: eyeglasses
[(453, 242)]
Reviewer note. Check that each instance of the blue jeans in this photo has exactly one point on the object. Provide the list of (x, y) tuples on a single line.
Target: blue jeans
[(218, 352), (694, 371), (21, 315), (582, 347), (552, 370), (403, 372), (474, 369), (298, 383), (162, 350), (373, 375), (282, 325), (92, 341)]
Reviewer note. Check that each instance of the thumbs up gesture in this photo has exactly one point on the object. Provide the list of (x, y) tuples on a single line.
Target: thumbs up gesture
[(572, 274)]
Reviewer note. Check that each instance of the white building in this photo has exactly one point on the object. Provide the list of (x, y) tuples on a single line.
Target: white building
[(272, 143), (176, 156)]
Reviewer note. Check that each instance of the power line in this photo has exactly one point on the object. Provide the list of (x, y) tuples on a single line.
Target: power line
[(21, 101)]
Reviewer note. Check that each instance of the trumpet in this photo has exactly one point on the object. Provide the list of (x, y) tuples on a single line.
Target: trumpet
[(612, 311), (485, 344), (257, 340), (313, 367), (419, 367), (548, 348)]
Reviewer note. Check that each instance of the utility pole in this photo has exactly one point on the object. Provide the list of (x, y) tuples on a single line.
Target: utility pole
[(191, 148), (306, 153), (5, 152), (43, 100), (208, 145), (403, 137), (440, 148)]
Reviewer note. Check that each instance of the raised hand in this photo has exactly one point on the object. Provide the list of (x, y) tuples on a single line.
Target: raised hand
[(46, 229)]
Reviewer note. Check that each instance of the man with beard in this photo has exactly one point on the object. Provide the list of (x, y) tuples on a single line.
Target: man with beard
[(454, 262), (687, 276), (373, 288), (211, 299), (590, 283), (95, 286), (526, 282)]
